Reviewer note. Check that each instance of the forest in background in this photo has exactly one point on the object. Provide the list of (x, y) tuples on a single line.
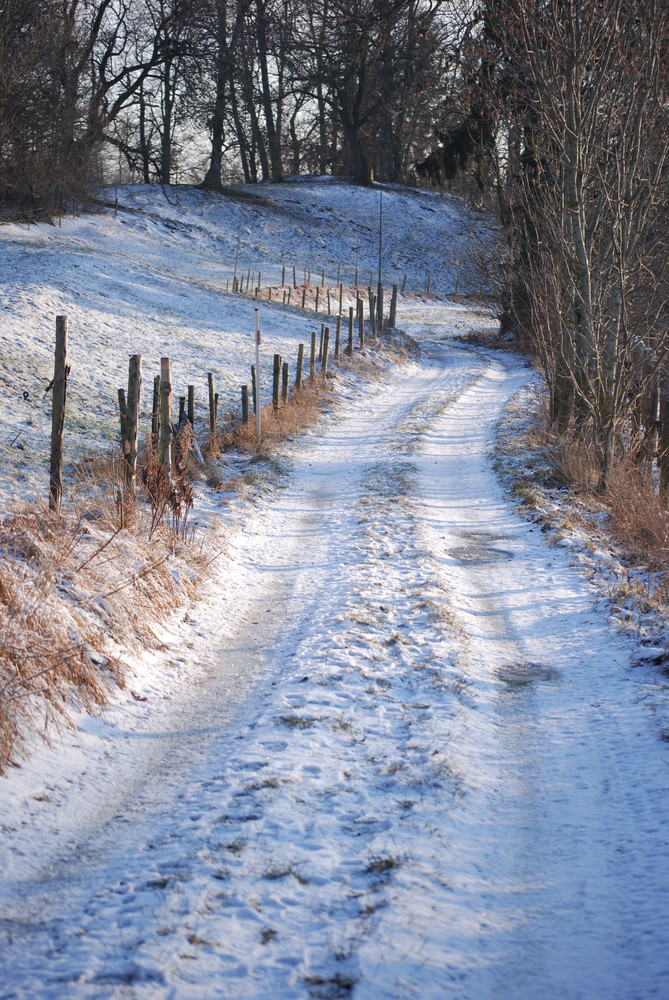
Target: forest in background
[(552, 113)]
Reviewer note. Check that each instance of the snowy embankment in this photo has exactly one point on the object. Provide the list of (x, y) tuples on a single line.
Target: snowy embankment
[(403, 753)]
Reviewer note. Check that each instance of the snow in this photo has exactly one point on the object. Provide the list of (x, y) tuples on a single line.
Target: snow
[(396, 750)]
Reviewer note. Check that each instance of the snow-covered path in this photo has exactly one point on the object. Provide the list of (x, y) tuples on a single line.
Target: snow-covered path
[(416, 763)]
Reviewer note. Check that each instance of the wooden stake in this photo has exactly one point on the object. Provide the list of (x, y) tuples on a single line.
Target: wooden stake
[(349, 349), (392, 319), (191, 405), (276, 383), (166, 414), (284, 382), (182, 410), (253, 389), (283, 275), (379, 308), (361, 325), (316, 306), (132, 419), (300, 363), (58, 396), (326, 345), (337, 338), (212, 413), (245, 404), (155, 412), (312, 360)]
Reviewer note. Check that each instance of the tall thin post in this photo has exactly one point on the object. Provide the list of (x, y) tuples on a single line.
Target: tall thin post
[(212, 411), (326, 345), (59, 393), (312, 359), (350, 330), (257, 378), (132, 418), (276, 383), (284, 382), (300, 363), (166, 414), (245, 404), (380, 229), (191, 405), (392, 319), (155, 412)]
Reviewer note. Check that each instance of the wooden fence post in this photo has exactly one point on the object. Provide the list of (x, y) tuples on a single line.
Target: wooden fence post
[(337, 338), (320, 343), (191, 405), (326, 345), (341, 299), (304, 295), (379, 308), (312, 360), (254, 391), (294, 278), (58, 396), (132, 419), (392, 319), (317, 291), (404, 284), (361, 325), (300, 363), (283, 275), (155, 412), (323, 278), (284, 382), (276, 383), (245, 404), (166, 414), (212, 413), (372, 312), (182, 410), (350, 331)]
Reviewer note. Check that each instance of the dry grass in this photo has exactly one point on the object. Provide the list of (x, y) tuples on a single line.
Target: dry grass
[(640, 520), (76, 587), (301, 410)]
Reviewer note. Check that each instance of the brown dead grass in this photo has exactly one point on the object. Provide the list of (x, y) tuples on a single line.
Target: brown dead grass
[(640, 520), (75, 588)]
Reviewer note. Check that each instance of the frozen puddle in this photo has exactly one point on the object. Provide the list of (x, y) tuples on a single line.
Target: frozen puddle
[(417, 765)]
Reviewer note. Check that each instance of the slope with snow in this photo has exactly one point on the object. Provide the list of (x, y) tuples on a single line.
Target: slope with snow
[(397, 751)]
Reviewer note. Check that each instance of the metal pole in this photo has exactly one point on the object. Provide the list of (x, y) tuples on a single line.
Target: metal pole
[(258, 429)]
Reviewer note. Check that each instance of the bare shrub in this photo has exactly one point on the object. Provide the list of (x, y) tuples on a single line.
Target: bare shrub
[(574, 460), (639, 520)]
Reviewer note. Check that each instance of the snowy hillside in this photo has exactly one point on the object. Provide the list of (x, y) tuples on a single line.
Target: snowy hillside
[(152, 281)]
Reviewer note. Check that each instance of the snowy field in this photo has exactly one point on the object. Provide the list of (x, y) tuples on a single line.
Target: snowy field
[(397, 750)]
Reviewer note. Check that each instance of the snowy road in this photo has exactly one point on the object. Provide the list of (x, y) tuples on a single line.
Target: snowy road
[(416, 762)]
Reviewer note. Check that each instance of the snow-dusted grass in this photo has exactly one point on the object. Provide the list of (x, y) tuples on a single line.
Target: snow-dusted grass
[(394, 750)]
